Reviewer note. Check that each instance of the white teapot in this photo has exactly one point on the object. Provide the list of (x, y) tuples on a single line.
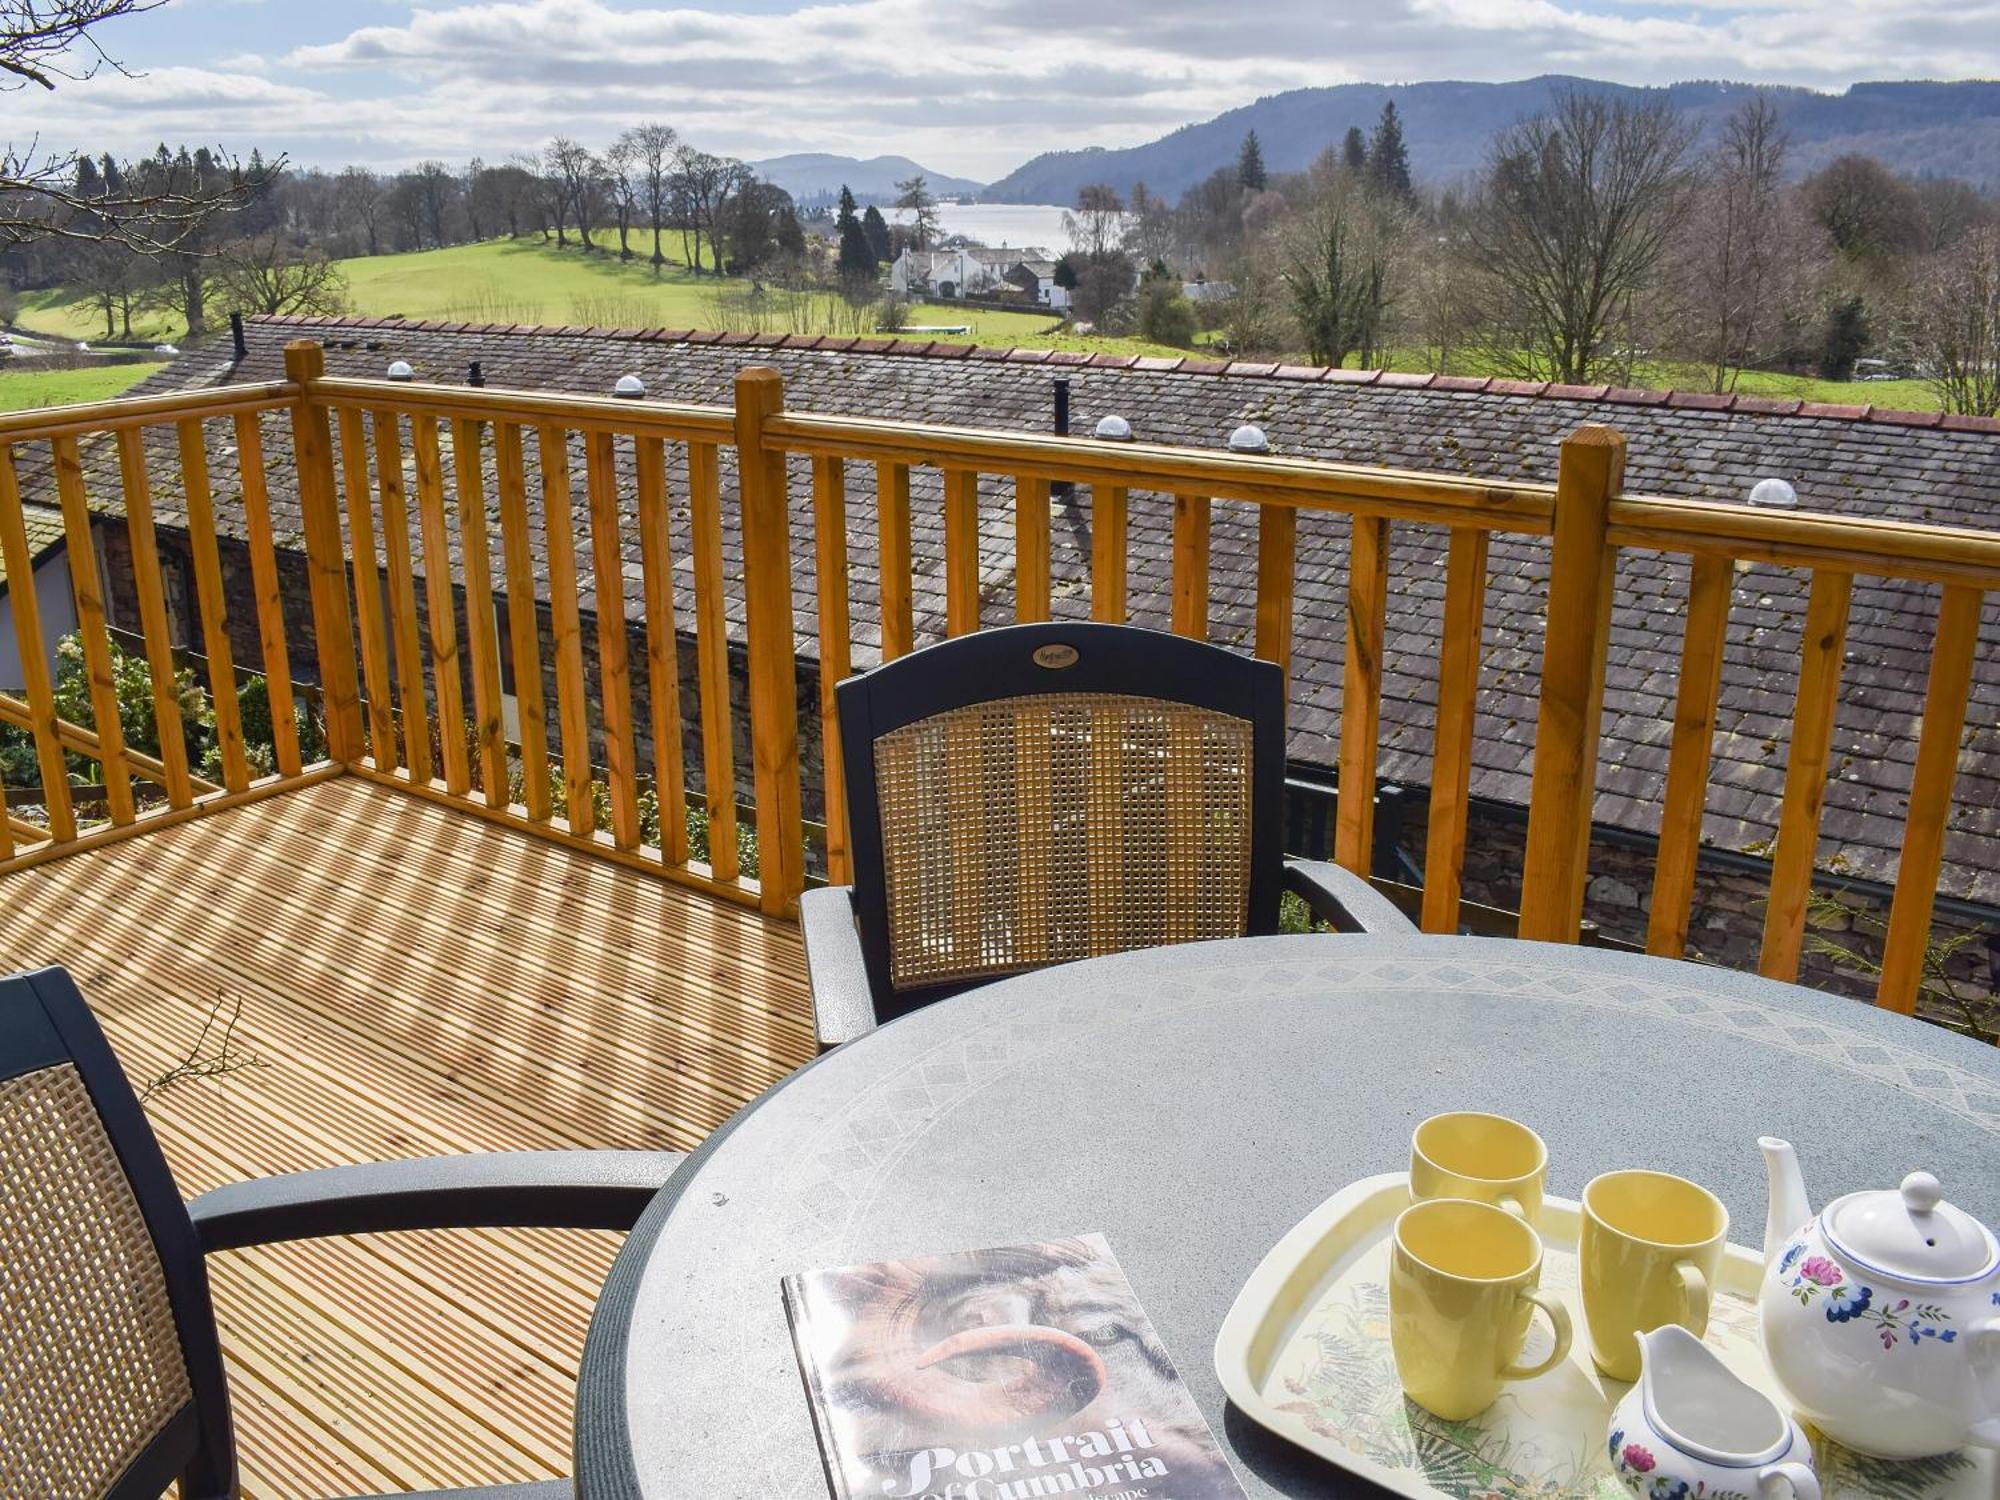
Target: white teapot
[(1881, 1315)]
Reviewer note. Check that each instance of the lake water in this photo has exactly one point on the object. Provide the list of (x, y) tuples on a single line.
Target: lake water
[(1015, 226)]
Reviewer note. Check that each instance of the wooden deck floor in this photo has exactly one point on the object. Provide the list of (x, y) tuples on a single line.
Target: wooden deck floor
[(412, 980)]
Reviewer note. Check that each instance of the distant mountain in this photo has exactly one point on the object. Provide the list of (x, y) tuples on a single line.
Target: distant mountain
[(814, 177), (1950, 129)]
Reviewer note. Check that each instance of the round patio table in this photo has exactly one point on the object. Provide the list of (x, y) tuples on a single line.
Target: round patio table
[(1192, 1104)]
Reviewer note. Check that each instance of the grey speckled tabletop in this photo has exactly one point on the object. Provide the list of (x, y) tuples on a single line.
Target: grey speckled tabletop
[(1193, 1104)]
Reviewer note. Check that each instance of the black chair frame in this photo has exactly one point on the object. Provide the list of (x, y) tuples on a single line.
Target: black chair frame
[(846, 928), (44, 1022)]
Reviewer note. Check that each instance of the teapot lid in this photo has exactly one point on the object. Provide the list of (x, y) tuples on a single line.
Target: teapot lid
[(1911, 1233)]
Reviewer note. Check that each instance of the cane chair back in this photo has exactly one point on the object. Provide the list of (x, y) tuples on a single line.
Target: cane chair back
[(113, 1383), (1033, 795)]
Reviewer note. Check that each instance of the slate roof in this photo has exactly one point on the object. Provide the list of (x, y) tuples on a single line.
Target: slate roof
[(45, 533), (1849, 460)]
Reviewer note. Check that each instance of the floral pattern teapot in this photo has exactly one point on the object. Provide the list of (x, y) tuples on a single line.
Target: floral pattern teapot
[(1881, 1314)]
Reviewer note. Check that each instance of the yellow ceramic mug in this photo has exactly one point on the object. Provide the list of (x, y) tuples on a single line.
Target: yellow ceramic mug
[(1649, 1249), (1462, 1288), (1488, 1158)]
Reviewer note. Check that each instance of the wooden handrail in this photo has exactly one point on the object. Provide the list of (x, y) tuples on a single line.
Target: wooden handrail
[(87, 418), (1809, 539), (675, 421), (1309, 484)]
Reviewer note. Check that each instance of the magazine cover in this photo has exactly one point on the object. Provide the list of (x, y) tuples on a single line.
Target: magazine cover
[(1006, 1374)]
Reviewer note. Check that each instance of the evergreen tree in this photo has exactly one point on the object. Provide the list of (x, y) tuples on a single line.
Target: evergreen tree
[(1354, 150), (114, 178), (1388, 158), (89, 183), (1250, 164), (857, 257), (877, 229)]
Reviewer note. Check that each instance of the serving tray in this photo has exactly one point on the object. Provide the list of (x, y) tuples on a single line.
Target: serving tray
[(1305, 1352)]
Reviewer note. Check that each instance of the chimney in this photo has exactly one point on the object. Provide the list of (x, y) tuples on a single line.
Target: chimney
[(236, 334), (1061, 488)]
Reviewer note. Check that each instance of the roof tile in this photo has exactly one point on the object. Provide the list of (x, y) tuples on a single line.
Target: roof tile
[(1906, 418), (1250, 368), (1411, 380), (1700, 400), (1204, 366), (1833, 412), (1337, 376), (1557, 392), (1461, 383)]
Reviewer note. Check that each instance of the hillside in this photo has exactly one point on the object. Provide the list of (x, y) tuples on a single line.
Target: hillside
[(815, 177), (1950, 129)]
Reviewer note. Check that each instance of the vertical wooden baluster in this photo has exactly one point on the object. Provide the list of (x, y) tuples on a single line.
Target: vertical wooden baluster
[(482, 637), (6, 825), (835, 662), (1457, 712), (213, 604), (1031, 549), (614, 671), (447, 678), (1109, 524), (961, 551), (773, 649), (403, 628), (326, 557), (663, 656), (270, 592), (711, 643), (1361, 693), (1953, 650), (1277, 543), (1825, 642), (88, 587), (892, 515), (152, 595), (523, 629), (1192, 517), (1578, 628), (572, 704), (1702, 642), (33, 649), (375, 670)]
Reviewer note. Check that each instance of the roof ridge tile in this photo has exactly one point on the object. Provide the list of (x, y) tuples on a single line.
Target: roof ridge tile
[(1638, 396)]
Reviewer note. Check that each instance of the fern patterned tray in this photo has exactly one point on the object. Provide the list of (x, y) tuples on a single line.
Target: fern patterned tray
[(1305, 1353)]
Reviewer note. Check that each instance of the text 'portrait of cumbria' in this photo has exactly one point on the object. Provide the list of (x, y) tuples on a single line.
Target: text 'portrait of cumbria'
[(1002, 1375)]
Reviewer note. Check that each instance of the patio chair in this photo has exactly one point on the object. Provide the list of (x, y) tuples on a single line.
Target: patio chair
[(114, 1382), (1035, 794)]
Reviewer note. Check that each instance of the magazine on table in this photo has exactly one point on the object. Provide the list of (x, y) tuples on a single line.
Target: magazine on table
[(1005, 1374)]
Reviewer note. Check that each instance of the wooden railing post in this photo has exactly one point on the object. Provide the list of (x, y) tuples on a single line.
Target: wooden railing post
[(1576, 634), (326, 561), (767, 585)]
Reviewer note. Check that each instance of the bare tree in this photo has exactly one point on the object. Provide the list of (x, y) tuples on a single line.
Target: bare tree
[(44, 43), (1953, 329), (708, 183), (358, 195), (1572, 222), (269, 273), (1096, 226), (621, 182), (573, 171), (650, 148), (1738, 251)]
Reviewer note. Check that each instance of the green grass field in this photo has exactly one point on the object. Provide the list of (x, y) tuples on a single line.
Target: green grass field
[(21, 390), (527, 281)]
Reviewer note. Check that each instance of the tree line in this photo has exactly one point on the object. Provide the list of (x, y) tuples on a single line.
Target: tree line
[(180, 230), (1602, 243)]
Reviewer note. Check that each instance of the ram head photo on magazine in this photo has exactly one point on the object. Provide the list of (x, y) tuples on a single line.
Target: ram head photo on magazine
[(1003, 1374)]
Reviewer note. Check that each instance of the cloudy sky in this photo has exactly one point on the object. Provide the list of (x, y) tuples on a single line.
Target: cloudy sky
[(971, 87)]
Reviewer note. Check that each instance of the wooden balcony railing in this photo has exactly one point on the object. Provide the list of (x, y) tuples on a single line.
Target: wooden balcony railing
[(470, 489)]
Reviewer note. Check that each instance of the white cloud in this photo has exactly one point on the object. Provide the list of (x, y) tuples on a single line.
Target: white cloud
[(972, 87)]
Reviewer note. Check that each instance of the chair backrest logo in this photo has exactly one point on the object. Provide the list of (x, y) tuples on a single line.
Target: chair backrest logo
[(1055, 656)]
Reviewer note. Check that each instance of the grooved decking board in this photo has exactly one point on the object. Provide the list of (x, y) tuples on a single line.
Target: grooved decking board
[(413, 980)]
